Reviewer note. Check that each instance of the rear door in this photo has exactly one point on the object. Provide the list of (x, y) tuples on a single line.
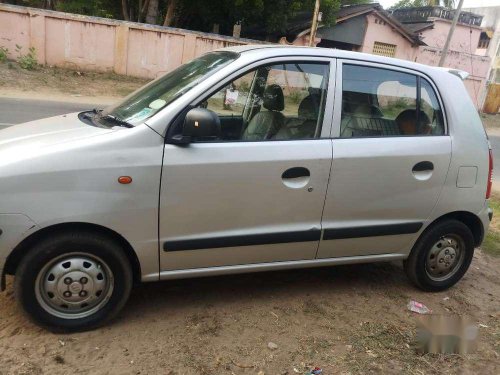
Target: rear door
[(391, 154), (235, 201)]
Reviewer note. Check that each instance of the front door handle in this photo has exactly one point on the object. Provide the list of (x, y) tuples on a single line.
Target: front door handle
[(296, 177)]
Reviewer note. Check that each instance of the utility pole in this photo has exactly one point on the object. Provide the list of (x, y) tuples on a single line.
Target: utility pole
[(450, 34), (314, 25)]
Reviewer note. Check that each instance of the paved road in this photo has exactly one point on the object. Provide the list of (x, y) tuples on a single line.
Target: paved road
[(16, 111)]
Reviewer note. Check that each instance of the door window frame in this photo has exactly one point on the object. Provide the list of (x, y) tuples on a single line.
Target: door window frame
[(328, 113), (337, 110)]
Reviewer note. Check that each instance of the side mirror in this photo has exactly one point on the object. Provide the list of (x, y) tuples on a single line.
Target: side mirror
[(199, 123)]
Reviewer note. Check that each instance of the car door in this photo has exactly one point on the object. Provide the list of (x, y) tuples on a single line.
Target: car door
[(391, 156), (241, 199)]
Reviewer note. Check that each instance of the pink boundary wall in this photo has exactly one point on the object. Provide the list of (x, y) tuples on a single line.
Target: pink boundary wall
[(100, 44)]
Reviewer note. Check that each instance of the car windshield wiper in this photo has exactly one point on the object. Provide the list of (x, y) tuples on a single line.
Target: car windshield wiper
[(117, 121)]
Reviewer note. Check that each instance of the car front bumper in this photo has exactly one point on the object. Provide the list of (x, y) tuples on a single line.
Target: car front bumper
[(14, 228)]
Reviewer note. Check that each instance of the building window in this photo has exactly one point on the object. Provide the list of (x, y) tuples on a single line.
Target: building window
[(384, 49), (484, 41)]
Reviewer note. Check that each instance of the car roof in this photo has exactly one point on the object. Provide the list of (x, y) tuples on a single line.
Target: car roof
[(273, 50)]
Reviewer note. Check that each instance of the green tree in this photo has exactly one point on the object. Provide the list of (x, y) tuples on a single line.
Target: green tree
[(273, 16)]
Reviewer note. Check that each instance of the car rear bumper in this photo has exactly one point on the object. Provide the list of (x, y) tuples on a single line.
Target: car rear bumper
[(485, 215)]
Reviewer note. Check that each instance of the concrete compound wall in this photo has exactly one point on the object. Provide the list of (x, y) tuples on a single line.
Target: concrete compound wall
[(100, 44)]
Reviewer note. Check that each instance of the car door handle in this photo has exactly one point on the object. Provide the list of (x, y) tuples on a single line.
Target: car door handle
[(296, 172), (296, 178), (423, 171), (423, 166)]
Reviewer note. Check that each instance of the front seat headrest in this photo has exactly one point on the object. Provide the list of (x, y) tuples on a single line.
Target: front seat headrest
[(309, 107), (273, 98)]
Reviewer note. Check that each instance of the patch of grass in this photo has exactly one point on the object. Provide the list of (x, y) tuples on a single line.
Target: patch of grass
[(27, 61), (491, 244), (3, 54)]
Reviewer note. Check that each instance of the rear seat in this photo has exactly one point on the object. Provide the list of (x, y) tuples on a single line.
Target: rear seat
[(360, 126)]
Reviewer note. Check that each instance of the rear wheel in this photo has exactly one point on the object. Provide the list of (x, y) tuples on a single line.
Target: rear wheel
[(441, 256), (73, 281)]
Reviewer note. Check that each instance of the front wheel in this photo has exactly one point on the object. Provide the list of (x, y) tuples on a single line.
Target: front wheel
[(441, 256), (73, 281)]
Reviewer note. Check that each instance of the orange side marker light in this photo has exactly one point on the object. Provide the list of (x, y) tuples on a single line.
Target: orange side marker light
[(124, 180)]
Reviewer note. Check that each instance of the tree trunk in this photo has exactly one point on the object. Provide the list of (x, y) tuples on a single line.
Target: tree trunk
[(126, 16), (141, 11), (170, 16), (49, 4), (152, 12)]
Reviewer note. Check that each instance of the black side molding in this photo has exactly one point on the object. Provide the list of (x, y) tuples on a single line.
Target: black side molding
[(371, 231), (249, 240), (288, 237)]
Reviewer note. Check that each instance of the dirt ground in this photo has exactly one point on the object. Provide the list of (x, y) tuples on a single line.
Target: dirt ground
[(61, 84), (346, 320)]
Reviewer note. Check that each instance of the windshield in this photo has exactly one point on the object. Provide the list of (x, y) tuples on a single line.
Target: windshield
[(144, 103)]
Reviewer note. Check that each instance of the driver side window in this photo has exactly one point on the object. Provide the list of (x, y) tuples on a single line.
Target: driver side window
[(275, 102), (231, 100)]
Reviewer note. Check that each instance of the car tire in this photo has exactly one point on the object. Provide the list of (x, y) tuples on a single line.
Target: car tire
[(441, 256), (73, 281)]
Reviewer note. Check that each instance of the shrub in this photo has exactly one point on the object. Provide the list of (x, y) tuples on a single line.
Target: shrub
[(27, 61), (3, 54)]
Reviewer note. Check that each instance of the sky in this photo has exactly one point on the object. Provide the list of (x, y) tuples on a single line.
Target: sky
[(467, 3)]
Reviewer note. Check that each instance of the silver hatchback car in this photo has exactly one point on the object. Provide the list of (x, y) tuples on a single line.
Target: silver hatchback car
[(246, 159)]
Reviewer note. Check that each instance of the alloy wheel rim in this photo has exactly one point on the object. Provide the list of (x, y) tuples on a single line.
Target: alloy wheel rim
[(445, 257), (74, 285)]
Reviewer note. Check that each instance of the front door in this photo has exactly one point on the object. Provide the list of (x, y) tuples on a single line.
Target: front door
[(256, 193), (391, 156)]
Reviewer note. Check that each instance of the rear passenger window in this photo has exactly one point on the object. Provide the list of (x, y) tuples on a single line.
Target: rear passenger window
[(429, 104), (385, 103)]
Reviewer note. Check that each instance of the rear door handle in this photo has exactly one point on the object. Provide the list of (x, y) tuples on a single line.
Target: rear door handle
[(423, 166), (423, 171), (295, 172)]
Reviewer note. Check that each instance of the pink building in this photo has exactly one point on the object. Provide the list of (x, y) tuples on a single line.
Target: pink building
[(416, 34)]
